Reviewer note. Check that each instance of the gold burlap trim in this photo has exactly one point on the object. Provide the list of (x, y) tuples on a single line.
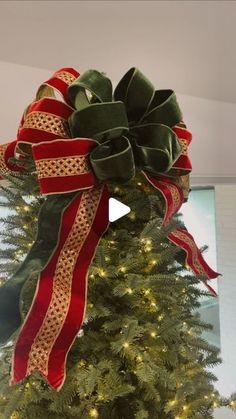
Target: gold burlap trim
[(3, 167), (184, 145), (66, 166), (68, 78), (62, 282), (194, 250), (175, 195), (48, 122)]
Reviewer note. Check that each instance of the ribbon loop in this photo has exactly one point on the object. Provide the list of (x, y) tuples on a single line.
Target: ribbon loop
[(136, 91), (63, 165), (101, 121), (96, 83), (164, 109), (113, 160), (156, 148)]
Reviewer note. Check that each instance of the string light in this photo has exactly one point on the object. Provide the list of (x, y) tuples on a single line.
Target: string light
[(102, 272), (107, 258), (129, 291), (139, 358), (26, 208), (126, 345), (132, 215), (122, 269), (146, 292), (91, 276), (153, 262), (153, 334), (93, 413)]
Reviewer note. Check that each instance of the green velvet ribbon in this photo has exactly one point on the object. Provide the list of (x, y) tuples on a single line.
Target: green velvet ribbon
[(132, 127)]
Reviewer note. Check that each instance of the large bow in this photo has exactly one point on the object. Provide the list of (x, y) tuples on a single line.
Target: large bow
[(78, 146)]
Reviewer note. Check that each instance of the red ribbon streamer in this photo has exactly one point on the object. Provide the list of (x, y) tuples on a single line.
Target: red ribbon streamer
[(58, 308)]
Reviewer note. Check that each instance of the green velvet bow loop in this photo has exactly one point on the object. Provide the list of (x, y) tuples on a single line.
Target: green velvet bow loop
[(133, 131), (113, 160), (151, 154), (137, 92), (100, 121)]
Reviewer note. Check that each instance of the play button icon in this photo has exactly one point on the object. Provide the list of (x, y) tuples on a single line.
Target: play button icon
[(117, 209)]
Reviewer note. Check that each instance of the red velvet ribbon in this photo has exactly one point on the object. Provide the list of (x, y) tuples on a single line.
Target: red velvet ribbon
[(62, 163)]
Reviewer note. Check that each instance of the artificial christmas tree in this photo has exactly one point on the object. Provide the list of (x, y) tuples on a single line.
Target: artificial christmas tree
[(139, 352)]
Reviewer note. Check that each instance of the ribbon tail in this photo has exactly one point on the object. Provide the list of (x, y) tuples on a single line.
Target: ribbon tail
[(194, 258), (58, 308), (174, 198)]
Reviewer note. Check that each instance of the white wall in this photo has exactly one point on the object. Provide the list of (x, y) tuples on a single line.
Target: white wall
[(225, 201)]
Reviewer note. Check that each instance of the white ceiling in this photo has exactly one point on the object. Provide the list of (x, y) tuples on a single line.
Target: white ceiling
[(188, 46)]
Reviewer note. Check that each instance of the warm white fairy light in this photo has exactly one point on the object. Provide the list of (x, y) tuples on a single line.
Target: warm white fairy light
[(93, 413), (129, 291), (126, 345), (132, 215), (102, 272)]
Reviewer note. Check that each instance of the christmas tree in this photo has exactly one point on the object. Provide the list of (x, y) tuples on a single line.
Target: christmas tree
[(140, 351)]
